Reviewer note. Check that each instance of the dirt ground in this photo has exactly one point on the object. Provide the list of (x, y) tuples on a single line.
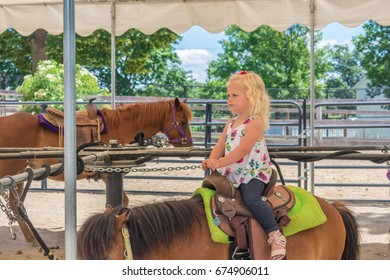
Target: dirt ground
[(46, 209)]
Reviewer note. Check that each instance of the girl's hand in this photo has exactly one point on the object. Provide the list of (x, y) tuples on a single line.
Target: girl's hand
[(204, 165), (213, 164)]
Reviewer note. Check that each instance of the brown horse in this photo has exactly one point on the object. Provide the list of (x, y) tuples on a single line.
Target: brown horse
[(178, 230), (23, 130)]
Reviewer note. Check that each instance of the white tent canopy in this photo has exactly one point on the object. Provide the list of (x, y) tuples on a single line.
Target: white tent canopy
[(117, 16), (26, 16)]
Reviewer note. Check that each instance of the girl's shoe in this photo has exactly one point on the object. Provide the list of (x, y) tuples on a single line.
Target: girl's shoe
[(277, 238)]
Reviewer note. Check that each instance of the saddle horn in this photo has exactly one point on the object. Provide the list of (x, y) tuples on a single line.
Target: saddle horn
[(91, 109)]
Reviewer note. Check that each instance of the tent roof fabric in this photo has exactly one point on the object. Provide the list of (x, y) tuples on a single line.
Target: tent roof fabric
[(26, 16)]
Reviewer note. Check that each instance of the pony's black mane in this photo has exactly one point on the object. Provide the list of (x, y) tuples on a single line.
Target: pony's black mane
[(151, 227), (155, 225)]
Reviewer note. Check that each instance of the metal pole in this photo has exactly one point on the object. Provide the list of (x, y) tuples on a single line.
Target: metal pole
[(312, 87), (304, 131), (70, 130), (22, 177), (208, 117), (114, 189), (114, 185), (113, 55)]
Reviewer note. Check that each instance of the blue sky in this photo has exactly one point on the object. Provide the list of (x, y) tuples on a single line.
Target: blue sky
[(199, 47)]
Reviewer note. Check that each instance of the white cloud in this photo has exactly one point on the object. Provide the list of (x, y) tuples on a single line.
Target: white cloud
[(196, 61), (333, 42), (326, 42)]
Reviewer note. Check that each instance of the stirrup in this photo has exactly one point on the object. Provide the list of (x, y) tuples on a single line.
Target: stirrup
[(279, 239), (241, 255)]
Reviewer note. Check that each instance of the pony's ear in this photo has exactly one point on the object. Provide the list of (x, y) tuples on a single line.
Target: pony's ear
[(177, 102), (185, 100), (120, 220), (108, 209)]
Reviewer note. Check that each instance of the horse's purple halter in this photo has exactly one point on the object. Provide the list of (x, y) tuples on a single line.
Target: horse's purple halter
[(184, 140)]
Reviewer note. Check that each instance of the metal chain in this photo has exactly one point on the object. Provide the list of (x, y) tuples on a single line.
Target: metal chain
[(6, 207), (162, 169), (107, 169), (127, 170)]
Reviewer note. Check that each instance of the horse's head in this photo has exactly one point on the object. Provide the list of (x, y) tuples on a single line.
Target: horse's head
[(176, 126), (101, 237)]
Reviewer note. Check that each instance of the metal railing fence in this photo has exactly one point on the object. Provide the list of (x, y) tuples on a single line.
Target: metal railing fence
[(288, 128)]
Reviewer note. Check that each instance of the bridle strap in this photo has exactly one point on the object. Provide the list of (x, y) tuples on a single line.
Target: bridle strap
[(128, 253), (175, 125)]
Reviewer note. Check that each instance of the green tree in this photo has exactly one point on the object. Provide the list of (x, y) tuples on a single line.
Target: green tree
[(22, 52), (47, 84), (374, 47), (281, 58), (346, 72), (15, 59), (141, 59)]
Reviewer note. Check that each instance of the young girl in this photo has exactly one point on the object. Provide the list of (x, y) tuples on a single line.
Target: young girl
[(241, 153)]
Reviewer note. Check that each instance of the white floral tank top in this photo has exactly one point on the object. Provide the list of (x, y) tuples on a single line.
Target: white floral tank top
[(257, 164)]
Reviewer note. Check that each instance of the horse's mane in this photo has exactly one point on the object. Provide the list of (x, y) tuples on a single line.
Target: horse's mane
[(143, 113), (151, 227), (95, 237)]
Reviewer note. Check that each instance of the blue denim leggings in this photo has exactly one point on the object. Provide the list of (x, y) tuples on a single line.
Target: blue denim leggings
[(251, 193)]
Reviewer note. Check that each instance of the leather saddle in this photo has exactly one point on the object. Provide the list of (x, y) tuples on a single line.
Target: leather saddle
[(236, 220), (89, 124)]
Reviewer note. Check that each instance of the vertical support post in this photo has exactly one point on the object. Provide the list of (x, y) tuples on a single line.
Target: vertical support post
[(114, 189), (70, 128), (312, 88), (44, 184), (43, 107), (208, 127), (114, 184), (208, 118), (318, 112), (113, 56), (304, 129)]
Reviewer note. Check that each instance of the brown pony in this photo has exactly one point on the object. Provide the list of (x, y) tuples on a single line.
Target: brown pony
[(23, 130), (178, 230)]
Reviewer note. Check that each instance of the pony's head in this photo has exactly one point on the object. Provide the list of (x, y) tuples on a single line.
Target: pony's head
[(100, 236), (170, 117), (176, 126), (143, 232)]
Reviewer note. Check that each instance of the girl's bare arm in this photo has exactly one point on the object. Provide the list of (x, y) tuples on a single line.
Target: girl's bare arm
[(253, 133)]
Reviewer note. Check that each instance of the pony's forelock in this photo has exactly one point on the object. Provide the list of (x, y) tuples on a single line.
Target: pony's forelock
[(97, 229)]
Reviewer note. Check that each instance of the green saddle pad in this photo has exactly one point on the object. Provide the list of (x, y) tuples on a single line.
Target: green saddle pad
[(305, 214), (217, 235)]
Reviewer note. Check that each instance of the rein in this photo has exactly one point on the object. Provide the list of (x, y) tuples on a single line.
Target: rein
[(127, 253), (175, 125)]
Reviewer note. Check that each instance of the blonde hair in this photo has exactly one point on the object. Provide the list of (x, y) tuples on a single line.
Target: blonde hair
[(258, 97)]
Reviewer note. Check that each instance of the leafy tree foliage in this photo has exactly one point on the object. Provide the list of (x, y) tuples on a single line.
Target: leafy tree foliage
[(140, 59), (15, 59), (47, 84), (346, 72), (374, 47), (148, 65), (281, 58)]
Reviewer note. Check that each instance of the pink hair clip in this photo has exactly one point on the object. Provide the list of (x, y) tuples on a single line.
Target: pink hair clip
[(243, 72)]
